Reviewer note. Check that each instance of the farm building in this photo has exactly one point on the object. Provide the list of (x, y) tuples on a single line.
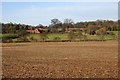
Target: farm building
[(38, 30), (43, 29), (75, 29), (30, 31)]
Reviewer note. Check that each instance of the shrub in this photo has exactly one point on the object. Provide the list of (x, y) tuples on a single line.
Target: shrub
[(102, 37), (72, 36), (31, 38), (8, 37), (44, 36), (114, 36), (101, 31), (111, 33), (57, 38), (81, 36), (23, 39)]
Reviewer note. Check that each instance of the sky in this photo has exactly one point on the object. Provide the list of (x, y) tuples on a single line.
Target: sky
[(59, 0), (34, 13)]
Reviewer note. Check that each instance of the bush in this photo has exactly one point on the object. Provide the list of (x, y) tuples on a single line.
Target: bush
[(8, 37), (24, 39), (22, 33), (57, 38), (102, 37), (101, 31), (72, 36), (81, 36), (44, 36), (113, 35), (31, 38)]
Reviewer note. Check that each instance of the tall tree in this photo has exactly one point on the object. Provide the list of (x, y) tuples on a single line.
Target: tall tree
[(55, 21), (68, 23)]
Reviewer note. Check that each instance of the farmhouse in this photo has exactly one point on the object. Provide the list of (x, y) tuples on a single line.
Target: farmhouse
[(37, 30), (42, 29), (75, 29), (30, 31)]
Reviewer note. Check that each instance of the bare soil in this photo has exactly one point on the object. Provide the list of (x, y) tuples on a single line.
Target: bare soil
[(60, 60)]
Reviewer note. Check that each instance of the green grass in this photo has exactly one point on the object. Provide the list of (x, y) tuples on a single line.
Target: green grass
[(7, 35), (33, 36), (115, 32), (64, 36), (93, 37), (50, 36), (98, 37), (60, 36)]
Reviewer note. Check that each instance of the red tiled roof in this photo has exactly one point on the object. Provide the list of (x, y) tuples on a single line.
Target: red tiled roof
[(83, 28), (42, 28), (31, 31)]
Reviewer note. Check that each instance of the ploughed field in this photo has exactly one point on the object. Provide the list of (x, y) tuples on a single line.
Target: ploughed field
[(60, 60)]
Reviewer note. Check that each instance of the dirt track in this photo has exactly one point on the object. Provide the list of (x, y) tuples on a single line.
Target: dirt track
[(60, 60)]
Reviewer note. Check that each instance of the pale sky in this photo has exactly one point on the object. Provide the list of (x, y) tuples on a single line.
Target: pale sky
[(35, 13), (59, 0)]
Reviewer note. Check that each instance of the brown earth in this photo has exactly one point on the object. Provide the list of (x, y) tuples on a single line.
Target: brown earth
[(60, 60)]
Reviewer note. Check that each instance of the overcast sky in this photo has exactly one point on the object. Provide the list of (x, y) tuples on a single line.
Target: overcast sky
[(35, 13)]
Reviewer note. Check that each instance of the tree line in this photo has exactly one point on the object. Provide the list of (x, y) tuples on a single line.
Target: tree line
[(58, 26)]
